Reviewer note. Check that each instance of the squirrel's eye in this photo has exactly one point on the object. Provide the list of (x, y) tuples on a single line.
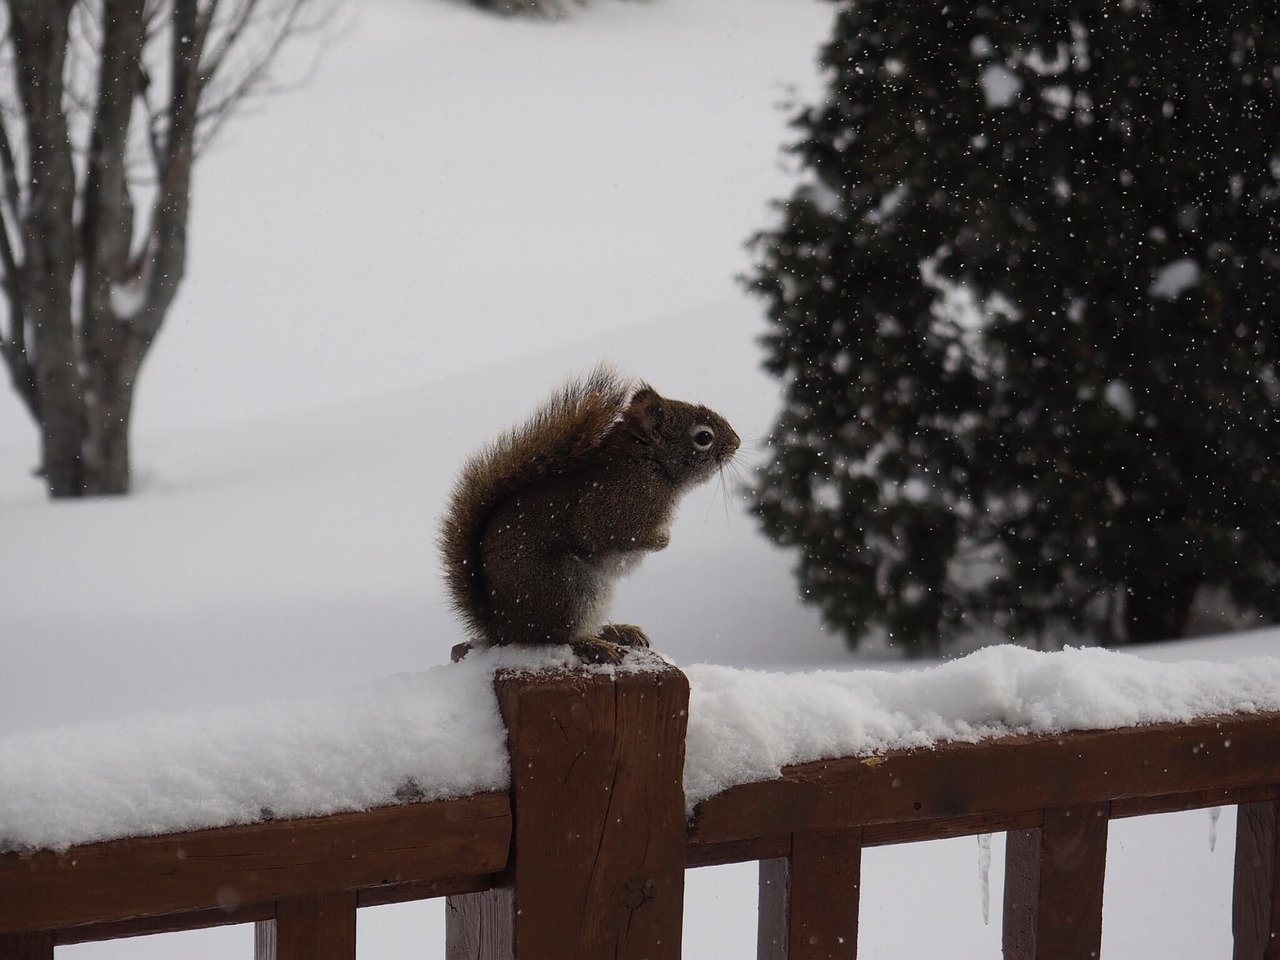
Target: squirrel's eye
[(702, 436)]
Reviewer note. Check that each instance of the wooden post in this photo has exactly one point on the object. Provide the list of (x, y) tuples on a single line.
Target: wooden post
[(318, 927), (1256, 903), (1053, 885), (597, 766), (809, 899), (26, 946)]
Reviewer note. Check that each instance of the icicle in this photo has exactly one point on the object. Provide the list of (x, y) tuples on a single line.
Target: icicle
[(1214, 813), (984, 875)]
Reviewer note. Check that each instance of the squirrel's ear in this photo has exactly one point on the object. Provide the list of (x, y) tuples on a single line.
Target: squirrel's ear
[(645, 414)]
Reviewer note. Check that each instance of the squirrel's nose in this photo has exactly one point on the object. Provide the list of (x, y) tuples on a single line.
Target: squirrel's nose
[(734, 443)]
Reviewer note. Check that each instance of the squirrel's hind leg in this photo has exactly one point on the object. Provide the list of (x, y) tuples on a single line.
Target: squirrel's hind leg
[(534, 595)]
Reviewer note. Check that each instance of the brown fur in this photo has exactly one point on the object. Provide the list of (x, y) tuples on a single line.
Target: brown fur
[(564, 432), (543, 521)]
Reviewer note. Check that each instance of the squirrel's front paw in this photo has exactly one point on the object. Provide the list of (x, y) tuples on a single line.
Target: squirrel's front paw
[(625, 635), (661, 540), (611, 644), (598, 650)]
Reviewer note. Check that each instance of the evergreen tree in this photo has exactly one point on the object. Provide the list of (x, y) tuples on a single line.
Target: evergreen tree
[(1024, 304)]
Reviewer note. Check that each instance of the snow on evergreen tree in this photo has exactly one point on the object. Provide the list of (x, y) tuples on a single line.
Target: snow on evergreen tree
[(1025, 305)]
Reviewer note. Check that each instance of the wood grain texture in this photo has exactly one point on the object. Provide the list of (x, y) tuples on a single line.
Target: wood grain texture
[(233, 867), (1053, 886), (1011, 775), (598, 800), (773, 930), (478, 926), (1021, 893), (809, 899), (317, 927), (1255, 923)]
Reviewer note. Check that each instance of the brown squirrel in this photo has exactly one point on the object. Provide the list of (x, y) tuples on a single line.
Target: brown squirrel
[(544, 520)]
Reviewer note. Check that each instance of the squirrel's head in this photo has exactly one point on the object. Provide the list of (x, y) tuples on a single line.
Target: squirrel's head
[(688, 440)]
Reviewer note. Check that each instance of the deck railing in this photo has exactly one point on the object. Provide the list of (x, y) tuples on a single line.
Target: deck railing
[(585, 856)]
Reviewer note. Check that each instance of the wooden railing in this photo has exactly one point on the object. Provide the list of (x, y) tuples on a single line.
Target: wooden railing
[(585, 857)]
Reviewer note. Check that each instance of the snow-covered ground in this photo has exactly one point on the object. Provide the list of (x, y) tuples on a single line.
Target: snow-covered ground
[(391, 263)]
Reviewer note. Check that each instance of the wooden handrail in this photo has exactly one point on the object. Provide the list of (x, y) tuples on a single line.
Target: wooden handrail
[(995, 785), (236, 874), (586, 855)]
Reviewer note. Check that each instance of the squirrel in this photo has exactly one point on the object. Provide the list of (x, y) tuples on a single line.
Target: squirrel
[(543, 521)]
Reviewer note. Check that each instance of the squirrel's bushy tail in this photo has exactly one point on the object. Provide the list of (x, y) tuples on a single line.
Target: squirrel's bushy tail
[(563, 431)]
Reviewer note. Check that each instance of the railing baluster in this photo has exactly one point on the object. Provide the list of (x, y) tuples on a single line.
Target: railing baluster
[(1256, 901), (809, 900), (26, 946), (320, 927), (479, 926), (1053, 885)]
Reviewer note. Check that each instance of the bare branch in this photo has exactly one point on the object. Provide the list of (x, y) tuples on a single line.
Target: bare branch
[(186, 120), (22, 373), (215, 110), (12, 201), (183, 71), (13, 347), (212, 62), (86, 29), (40, 32), (107, 209), (163, 257)]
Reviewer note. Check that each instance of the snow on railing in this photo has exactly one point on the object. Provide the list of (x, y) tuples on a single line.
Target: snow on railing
[(581, 850)]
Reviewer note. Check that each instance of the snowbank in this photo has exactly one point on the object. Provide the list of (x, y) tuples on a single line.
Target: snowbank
[(440, 730)]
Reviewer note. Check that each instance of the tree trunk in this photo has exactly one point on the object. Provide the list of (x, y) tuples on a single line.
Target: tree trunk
[(109, 384), (39, 29), (1158, 611), (85, 300), (111, 351)]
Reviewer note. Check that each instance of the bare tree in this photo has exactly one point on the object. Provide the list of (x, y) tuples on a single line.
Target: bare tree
[(104, 105)]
